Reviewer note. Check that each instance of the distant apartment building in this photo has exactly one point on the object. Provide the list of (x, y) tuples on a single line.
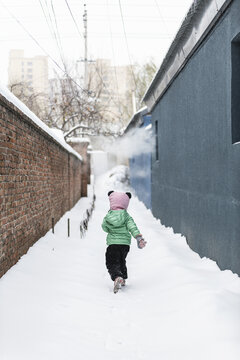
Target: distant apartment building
[(114, 85), (30, 71)]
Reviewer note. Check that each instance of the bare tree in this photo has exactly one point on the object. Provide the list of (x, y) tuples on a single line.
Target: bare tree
[(68, 106), (75, 109), (143, 75), (33, 100), (93, 108)]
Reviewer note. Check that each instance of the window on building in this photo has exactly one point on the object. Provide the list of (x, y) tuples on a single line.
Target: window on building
[(156, 140), (29, 63), (29, 70), (235, 96), (29, 76)]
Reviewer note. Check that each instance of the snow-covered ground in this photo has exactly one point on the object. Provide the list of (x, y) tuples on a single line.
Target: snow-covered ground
[(57, 302)]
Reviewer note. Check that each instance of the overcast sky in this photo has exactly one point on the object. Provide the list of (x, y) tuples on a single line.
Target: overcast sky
[(125, 31)]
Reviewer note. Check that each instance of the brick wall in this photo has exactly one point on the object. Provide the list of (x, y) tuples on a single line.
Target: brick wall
[(39, 180), (82, 148)]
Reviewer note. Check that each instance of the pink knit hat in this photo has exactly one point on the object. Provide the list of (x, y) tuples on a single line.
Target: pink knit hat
[(119, 200)]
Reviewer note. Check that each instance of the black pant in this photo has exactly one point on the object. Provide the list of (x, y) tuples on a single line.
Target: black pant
[(116, 260)]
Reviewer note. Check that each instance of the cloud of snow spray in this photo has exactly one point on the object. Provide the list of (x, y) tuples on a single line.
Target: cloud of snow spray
[(135, 143)]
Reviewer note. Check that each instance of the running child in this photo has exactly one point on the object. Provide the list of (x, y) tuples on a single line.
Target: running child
[(120, 226)]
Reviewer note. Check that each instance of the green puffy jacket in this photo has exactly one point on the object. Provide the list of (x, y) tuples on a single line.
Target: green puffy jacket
[(120, 226)]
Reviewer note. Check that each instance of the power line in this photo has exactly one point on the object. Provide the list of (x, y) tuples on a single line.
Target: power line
[(96, 69), (137, 5), (60, 45), (40, 46), (120, 110), (95, 35), (126, 40), (44, 14), (101, 18), (50, 24), (161, 16), (74, 19), (58, 39)]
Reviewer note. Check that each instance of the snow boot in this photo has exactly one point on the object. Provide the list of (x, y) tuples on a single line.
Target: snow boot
[(117, 284)]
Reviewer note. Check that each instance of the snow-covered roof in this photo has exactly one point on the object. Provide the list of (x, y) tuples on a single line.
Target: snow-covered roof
[(200, 19), (56, 135), (135, 116)]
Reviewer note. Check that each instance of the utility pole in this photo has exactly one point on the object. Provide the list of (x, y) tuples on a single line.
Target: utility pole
[(85, 59), (85, 49)]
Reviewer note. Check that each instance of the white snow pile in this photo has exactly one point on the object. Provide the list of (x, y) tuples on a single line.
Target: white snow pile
[(56, 134), (118, 178), (57, 302)]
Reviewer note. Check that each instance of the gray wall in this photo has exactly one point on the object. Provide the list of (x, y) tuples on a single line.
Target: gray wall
[(196, 181), (140, 169)]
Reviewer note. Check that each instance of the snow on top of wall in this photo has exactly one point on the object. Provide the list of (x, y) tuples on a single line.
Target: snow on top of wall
[(141, 110), (98, 151), (78, 140), (52, 132)]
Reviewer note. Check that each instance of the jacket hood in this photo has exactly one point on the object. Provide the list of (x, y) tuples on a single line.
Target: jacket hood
[(118, 200)]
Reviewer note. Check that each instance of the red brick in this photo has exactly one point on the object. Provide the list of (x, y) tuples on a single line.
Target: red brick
[(38, 180)]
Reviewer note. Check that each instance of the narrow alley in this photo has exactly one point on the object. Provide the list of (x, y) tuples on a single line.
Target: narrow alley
[(57, 302)]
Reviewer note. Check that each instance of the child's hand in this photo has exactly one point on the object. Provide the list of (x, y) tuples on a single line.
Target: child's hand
[(141, 243)]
